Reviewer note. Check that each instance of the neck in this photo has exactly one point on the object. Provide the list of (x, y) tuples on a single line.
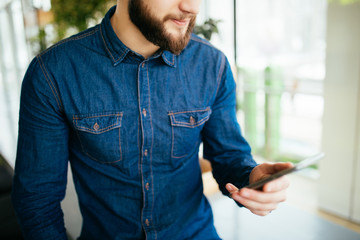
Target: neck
[(129, 34)]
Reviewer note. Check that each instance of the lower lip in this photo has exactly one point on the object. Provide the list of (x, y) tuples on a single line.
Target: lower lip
[(180, 23)]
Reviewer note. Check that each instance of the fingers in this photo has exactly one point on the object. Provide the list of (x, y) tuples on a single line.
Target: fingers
[(232, 189), (258, 202), (274, 192), (276, 185), (249, 195)]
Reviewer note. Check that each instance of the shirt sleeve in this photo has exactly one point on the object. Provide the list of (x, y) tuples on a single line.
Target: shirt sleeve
[(42, 157), (224, 145)]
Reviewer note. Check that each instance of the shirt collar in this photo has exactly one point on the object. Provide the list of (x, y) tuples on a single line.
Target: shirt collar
[(117, 50), (169, 58)]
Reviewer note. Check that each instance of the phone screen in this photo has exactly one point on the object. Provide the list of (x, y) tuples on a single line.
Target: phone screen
[(301, 165)]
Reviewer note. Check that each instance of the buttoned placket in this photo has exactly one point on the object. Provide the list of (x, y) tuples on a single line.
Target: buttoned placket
[(146, 147)]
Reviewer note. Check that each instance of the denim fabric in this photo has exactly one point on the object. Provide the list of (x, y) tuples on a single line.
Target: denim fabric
[(131, 129)]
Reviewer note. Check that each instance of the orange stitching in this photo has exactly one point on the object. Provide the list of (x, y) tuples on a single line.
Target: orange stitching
[(201, 110), (102, 129), (168, 62), (106, 44), (70, 39), (99, 131), (112, 57), (87, 154), (203, 42), (181, 124), (152, 143), (113, 126), (107, 115), (47, 78), (173, 141), (93, 158), (191, 126), (120, 143), (221, 72)]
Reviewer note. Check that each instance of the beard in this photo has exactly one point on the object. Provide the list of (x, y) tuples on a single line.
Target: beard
[(154, 29)]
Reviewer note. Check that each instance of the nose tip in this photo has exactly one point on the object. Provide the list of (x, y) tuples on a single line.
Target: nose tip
[(190, 6)]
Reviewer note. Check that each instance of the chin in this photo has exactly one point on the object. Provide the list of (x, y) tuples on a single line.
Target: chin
[(176, 36)]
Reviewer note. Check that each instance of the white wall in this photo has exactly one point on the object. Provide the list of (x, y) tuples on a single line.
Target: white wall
[(70, 207), (355, 211), (339, 187)]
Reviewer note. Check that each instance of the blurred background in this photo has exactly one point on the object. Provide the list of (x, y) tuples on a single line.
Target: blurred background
[(297, 67)]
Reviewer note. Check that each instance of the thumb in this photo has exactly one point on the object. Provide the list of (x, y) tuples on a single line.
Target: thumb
[(282, 166), (271, 168)]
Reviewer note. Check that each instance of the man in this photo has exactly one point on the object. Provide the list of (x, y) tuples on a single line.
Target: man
[(128, 103)]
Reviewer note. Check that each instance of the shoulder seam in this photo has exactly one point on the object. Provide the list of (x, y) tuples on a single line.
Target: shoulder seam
[(202, 41), (221, 72), (50, 83), (76, 37)]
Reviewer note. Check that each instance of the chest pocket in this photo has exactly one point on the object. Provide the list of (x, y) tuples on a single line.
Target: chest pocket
[(186, 127), (99, 136)]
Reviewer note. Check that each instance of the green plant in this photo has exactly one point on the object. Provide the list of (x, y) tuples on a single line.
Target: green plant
[(69, 17), (207, 28), (77, 15), (344, 2)]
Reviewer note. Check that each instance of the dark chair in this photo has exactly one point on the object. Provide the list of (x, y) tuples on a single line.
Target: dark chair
[(9, 227)]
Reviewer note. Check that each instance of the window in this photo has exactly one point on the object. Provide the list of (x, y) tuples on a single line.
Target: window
[(279, 67), (13, 63)]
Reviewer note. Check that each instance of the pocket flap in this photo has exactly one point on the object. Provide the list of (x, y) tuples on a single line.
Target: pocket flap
[(97, 123), (190, 118)]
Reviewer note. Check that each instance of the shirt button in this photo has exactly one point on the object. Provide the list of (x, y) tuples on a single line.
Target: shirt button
[(143, 64), (147, 222), (147, 186), (96, 126), (145, 152), (144, 112), (192, 120)]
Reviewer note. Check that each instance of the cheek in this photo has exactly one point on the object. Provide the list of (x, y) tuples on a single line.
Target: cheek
[(161, 8)]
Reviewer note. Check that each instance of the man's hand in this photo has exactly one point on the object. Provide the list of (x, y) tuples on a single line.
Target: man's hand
[(262, 202)]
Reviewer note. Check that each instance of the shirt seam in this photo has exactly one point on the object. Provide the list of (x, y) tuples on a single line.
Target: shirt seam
[(199, 40), (141, 153), (108, 50), (172, 64), (151, 149), (189, 125), (76, 37), (120, 114), (221, 72), (50, 83), (190, 111)]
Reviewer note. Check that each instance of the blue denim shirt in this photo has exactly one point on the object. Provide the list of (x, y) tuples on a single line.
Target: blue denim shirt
[(131, 129)]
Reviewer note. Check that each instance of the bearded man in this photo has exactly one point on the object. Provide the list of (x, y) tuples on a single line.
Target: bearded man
[(128, 103)]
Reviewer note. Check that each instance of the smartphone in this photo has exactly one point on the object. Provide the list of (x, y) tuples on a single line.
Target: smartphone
[(299, 166)]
